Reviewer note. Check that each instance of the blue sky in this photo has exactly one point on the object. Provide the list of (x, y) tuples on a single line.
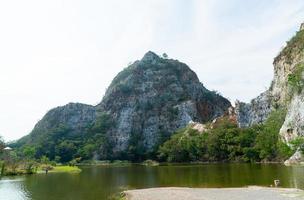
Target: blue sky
[(60, 51)]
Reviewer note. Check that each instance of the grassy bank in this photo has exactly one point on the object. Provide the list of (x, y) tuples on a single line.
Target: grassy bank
[(105, 163), (22, 169), (60, 169)]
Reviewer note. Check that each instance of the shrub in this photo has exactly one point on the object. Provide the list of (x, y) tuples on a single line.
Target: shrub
[(294, 46), (298, 143), (295, 79)]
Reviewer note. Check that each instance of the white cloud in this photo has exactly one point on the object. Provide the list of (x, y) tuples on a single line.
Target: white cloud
[(55, 52)]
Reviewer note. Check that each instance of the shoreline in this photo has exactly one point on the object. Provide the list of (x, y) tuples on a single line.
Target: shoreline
[(39, 170), (240, 193), (127, 163)]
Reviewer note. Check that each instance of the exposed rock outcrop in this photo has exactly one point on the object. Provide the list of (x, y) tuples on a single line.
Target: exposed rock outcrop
[(154, 97), (284, 92), (73, 118), (293, 126), (254, 112), (296, 158)]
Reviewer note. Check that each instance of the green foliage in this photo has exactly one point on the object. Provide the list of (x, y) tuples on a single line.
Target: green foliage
[(2, 168), (150, 163), (102, 124), (45, 160), (173, 113), (46, 143), (125, 89), (298, 143), (61, 169), (87, 151), (29, 152), (227, 142), (66, 150), (57, 159), (267, 139), (165, 56), (30, 167), (136, 150), (2, 145), (11, 162), (293, 48), (183, 146), (60, 146), (295, 79), (74, 161), (97, 141)]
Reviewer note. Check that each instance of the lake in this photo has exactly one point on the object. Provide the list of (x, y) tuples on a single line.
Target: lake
[(100, 182)]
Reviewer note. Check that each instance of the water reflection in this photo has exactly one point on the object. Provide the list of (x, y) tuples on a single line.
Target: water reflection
[(13, 189), (102, 181), (297, 177)]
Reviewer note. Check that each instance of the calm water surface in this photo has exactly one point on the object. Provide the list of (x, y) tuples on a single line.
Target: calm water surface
[(100, 182)]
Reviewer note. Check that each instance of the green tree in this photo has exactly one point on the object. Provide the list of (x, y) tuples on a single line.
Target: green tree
[(2, 145), (44, 160), (86, 152), (267, 141), (298, 143), (29, 152), (57, 159), (66, 150), (12, 161)]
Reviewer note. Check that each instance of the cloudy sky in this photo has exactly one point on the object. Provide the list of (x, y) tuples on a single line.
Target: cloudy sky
[(60, 51)]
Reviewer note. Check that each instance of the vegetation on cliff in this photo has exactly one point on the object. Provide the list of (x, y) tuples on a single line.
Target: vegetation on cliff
[(227, 142), (295, 79), (294, 47)]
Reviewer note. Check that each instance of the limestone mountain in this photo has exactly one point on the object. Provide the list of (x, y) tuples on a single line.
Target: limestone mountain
[(286, 91), (152, 98), (145, 103)]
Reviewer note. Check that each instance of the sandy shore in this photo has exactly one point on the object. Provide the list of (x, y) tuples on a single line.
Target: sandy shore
[(249, 193)]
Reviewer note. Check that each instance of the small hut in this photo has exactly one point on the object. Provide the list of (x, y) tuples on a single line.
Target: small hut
[(7, 149)]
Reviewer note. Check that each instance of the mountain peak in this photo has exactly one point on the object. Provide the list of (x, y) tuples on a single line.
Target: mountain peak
[(150, 56)]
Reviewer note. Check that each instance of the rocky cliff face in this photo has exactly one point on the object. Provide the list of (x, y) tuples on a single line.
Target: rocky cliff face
[(254, 112), (144, 105), (73, 118), (76, 116), (284, 92), (154, 97)]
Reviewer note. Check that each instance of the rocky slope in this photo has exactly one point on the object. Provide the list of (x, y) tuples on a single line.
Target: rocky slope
[(72, 118), (144, 105), (284, 92), (254, 112), (154, 97)]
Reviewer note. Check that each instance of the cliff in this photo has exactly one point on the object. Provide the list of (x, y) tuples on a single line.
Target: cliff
[(285, 92), (152, 98)]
